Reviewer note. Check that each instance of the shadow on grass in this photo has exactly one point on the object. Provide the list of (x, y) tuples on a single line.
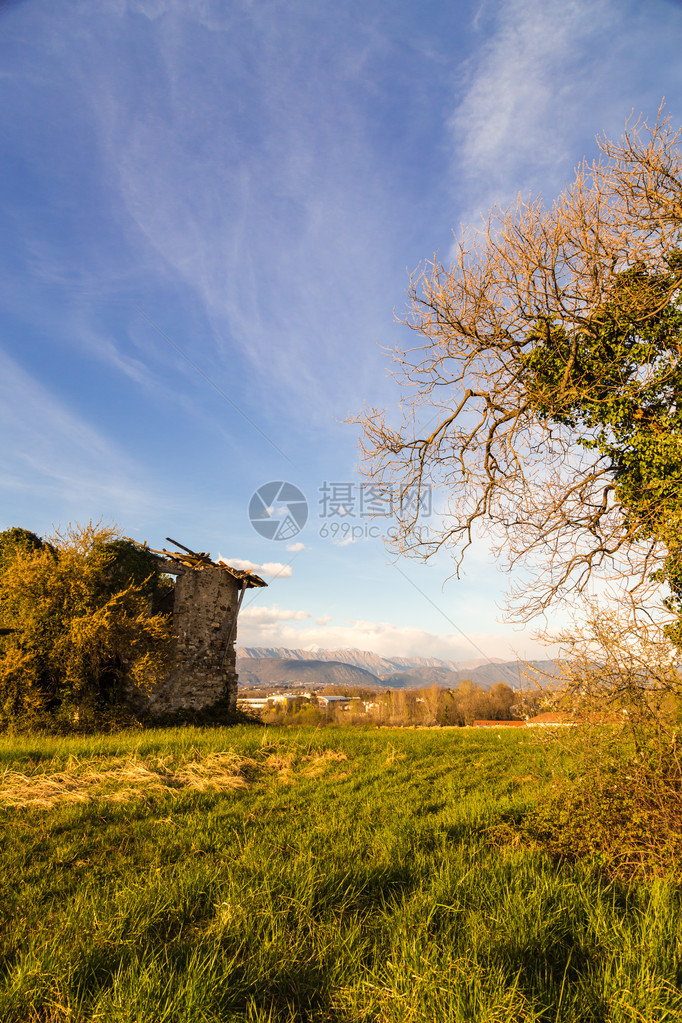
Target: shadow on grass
[(363, 890), (300, 991), (550, 966)]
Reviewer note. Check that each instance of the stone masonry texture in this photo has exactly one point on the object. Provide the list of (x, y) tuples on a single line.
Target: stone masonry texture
[(204, 613)]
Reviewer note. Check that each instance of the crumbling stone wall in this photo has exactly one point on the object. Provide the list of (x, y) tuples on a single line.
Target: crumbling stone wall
[(204, 622)]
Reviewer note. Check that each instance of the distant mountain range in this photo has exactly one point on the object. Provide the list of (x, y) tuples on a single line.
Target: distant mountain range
[(513, 673), (256, 672), (265, 666), (362, 659)]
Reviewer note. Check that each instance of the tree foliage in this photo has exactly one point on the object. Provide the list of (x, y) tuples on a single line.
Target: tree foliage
[(79, 608), (545, 395), (17, 540)]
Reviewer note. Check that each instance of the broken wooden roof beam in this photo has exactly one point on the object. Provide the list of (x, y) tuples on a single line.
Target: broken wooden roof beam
[(176, 562)]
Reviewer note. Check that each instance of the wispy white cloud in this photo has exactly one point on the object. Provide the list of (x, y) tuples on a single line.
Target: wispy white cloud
[(270, 569), (345, 542), (219, 215), (48, 449), (258, 617), (526, 95), (272, 627)]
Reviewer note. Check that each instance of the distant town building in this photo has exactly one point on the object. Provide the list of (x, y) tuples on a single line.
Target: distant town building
[(500, 724), (337, 701)]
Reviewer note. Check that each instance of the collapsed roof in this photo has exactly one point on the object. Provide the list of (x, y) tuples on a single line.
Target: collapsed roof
[(176, 562)]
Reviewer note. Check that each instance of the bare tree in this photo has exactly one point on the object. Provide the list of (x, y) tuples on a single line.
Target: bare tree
[(523, 444)]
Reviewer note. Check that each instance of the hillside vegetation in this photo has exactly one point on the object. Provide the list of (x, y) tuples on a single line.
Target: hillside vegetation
[(275, 875)]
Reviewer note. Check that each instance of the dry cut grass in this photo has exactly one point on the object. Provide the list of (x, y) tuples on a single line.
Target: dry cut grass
[(134, 777)]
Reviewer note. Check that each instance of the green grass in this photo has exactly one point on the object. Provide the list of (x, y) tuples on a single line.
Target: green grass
[(362, 884)]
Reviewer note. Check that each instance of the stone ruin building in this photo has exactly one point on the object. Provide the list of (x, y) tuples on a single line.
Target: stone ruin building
[(206, 601)]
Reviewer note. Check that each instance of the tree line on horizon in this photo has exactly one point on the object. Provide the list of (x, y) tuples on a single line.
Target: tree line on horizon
[(431, 706)]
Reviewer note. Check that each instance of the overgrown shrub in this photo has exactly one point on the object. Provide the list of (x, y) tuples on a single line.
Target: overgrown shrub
[(622, 812), (80, 607), (617, 800)]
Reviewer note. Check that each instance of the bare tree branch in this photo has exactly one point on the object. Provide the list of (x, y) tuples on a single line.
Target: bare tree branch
[(475, 425)]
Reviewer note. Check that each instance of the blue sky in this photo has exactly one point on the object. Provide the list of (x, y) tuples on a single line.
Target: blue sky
[(208, 215)]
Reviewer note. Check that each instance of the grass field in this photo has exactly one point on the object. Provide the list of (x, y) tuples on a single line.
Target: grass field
[(332, 875)]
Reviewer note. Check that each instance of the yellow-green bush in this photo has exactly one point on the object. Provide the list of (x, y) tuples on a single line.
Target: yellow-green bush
[(81, 609)]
